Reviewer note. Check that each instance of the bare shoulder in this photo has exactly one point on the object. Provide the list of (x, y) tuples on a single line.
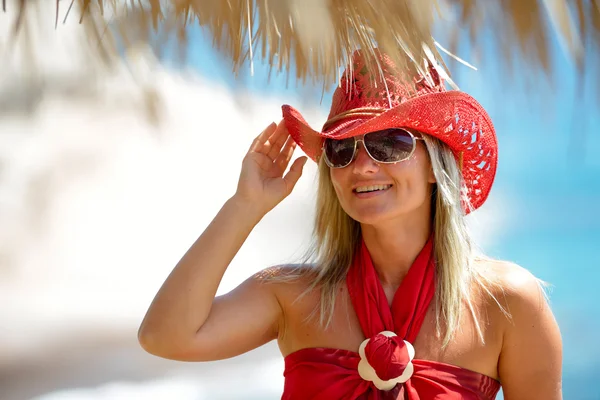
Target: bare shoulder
[(284, 272), (287, 280), (511, 296), (513, 284), (531, 356)]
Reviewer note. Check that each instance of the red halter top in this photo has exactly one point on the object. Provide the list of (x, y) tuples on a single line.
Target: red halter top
[(384, 367)]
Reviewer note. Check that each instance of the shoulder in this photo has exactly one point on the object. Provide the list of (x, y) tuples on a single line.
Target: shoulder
[(287, 279), (512, 284), (520, 296), (513, 297), (287, 273), (531, 353)]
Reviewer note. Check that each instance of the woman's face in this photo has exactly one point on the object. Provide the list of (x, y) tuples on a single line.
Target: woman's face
[(371, 192)]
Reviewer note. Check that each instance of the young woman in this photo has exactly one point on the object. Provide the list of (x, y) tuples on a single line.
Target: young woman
[(398, 305)]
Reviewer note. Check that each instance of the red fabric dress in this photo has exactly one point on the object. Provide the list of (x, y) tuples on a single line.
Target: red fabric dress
[(330, 374)]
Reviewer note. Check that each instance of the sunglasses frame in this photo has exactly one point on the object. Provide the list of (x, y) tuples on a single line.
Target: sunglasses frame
[(361, 138)]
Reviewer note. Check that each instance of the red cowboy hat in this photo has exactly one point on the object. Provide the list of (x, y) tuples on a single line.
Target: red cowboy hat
[(365, 102)]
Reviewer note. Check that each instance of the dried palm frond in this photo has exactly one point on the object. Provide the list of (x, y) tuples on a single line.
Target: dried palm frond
[(314, 38)]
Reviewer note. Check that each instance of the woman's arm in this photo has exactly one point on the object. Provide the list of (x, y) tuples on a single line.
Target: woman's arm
[(530, 364), (185, 321)]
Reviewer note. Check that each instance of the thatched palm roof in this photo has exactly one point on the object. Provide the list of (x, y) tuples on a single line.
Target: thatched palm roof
[(313, 38)]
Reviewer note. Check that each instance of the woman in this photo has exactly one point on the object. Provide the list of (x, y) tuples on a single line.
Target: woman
[(398, 305)]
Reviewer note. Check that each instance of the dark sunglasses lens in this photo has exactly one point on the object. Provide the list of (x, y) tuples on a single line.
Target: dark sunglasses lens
[(339, 153), (390, 145)]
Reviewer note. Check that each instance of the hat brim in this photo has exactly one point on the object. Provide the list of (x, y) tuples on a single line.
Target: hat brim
[(454, 117)]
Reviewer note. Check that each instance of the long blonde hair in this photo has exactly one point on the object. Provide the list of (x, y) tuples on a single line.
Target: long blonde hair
[(337, 235)]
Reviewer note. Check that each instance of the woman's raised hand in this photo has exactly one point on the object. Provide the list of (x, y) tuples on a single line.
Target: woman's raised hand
[(262, 182)]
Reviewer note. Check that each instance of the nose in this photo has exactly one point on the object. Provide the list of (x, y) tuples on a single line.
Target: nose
[(363, 163)]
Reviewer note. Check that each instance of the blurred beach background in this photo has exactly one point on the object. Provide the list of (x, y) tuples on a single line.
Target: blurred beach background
[(100, 197)]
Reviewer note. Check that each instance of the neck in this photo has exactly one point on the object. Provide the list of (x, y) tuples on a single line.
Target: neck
[(394, 247)]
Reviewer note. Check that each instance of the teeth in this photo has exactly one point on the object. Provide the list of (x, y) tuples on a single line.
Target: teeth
[(371, 188)]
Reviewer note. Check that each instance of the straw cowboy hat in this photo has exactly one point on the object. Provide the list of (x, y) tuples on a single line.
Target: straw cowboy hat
[(367, 101)]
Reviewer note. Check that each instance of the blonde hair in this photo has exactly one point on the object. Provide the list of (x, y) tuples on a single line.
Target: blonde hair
[(337, 235)]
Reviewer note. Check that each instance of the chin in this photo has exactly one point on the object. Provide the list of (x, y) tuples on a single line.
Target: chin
[(382, 214), (374, 217)]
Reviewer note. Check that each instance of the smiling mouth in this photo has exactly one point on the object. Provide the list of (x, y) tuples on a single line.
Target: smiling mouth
[(369, 189)]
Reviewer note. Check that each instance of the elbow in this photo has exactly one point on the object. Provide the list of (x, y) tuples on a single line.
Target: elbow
[(168, 346), (156, 345), (155, 342), (150, 342)]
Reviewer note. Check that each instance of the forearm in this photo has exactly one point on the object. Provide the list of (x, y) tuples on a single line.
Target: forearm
[(184, 301)]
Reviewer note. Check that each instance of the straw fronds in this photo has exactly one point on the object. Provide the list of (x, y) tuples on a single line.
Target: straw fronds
[(313, 39)]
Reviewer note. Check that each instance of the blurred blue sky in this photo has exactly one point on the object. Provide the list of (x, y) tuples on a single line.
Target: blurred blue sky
[(547, 184)]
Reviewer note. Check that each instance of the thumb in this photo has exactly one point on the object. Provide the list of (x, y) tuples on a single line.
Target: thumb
[(295, 172)]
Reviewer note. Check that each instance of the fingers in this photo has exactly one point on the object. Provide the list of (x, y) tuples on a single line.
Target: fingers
[(285, 155), (277, 140), (276, 143), (258, 143), (271, 140), (295, 172)]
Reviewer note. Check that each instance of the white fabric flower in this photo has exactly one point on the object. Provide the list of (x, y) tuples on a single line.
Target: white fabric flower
[(368, 373)]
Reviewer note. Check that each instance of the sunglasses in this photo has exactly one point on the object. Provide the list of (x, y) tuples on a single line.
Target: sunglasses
[(385, 146)]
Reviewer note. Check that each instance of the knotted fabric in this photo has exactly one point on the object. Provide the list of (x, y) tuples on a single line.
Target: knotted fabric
[(388, 356)]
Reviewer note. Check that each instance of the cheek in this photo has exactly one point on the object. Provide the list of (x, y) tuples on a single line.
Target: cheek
[(337, 178), (421, 166), (340, 181), (411, 176)]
